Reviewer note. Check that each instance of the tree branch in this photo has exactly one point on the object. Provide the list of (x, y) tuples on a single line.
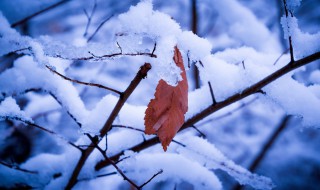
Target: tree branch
[(84, 83), (96, 31), (257, 87), (99, 58), (142, 73), (290, 38), (284, 123), (89, 17), (16, 167), (38, 13), (43, 129)]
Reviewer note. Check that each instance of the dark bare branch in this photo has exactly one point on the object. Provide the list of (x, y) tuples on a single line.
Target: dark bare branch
[(220, 105), (142, 73), (38, 13)]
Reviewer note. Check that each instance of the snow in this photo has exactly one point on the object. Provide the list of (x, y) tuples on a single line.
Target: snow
[(198, 47), (176, 168), (98, 116), (292, 96), (10, 109), (303, 43), (10, 39), (207, 154), (315, 77), (247, 46), (244, 26)]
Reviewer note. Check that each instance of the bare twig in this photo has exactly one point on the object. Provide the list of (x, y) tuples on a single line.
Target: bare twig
[(112, 163), (284, 123), (84, 83), (142, 73), (99, 27), (200, 132), (212, 94), (188, 56), (194, 28), (89, 17), (179, 143), (220, 105), (120, 48), (128, 127), (17, 167), (154, 48), (41, 128), (280, 56), (68, 112), (229, 113), (263, 151), (99, 58), (38, 13), (243, 65), (290, 38), (155, 175)]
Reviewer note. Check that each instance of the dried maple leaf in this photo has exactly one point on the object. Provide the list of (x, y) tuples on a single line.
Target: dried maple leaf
[(165, 113)]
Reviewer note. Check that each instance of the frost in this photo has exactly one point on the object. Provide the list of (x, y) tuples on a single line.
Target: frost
[(303, 43), (10, 109), (176, 169), (207, 154)]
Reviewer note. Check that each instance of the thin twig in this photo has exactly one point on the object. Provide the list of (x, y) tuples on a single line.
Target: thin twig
[(16, 167), (179, 143), (290, 38), (99, 27), (122, 159), (38, 13), (41, 128), (286, 51), (154, 48), (201, 133), (284, 123), (89, 17), (220, 105), (68, 112), (112, 163), (212, 94), (99, 58), (128, 127), (142, 73), (229, 112), (119, 47), (155, 175), (243, 65), (84, 83)]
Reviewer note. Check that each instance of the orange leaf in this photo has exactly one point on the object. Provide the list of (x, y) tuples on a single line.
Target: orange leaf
[(165, 113)]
